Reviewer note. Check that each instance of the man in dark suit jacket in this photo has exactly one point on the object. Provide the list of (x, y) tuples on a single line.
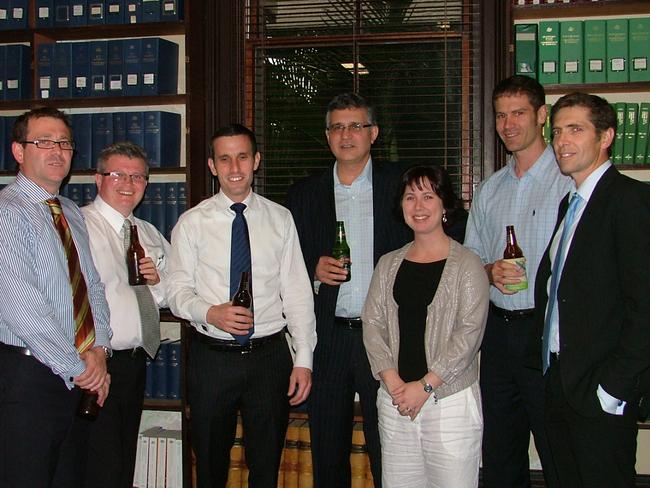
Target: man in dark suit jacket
[(361, 194), (595, 336)]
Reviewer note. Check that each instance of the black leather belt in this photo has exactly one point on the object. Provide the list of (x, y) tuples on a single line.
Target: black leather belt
[(234, 346), (17, 349), (512, 314), (128, 352), (352, 323)]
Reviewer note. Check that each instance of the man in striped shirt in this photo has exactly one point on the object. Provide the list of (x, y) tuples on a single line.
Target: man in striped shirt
[(42, 374)]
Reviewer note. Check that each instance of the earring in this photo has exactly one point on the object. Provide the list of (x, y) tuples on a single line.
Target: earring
[(444, 217)]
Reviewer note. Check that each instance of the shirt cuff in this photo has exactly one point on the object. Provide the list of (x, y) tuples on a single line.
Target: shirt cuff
[(304, 358), (608, 403)]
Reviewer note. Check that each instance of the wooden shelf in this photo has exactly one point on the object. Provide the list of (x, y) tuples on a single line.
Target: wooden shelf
[(89, 32), (95, 102), (163, 405), (630, 87), (580, 10)]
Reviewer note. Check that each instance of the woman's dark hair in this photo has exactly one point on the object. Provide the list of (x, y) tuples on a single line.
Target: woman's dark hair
[(440, 183)]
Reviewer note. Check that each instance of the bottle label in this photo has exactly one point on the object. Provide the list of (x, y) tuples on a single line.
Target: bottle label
[(523, 283)]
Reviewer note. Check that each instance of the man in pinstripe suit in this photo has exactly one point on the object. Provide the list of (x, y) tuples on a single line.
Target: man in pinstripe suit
[(359, 193)]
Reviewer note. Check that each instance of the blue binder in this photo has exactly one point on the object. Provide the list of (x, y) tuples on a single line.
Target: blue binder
[(162, 139), (44, 70), (159, 66), (98, 68), (62, 69), (80, 69)]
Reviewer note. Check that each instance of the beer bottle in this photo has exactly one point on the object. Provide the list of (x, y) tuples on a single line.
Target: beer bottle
[(513, 254), (88, 407), (341, 250), (133, 256), (242, 297)]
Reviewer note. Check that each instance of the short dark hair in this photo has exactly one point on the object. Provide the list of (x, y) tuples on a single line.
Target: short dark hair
[(440, 183), (601, 112), (19, 131), (123, 148), (230, 131), (521, 85), (346, 101)]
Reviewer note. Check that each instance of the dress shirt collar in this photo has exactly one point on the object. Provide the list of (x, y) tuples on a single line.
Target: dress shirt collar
[(587, 187), (224, 203), (33, 192), (112, 216), (364, 177), (537, 171)]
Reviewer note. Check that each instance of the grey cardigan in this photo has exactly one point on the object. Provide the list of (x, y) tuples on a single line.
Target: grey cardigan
[(455, 319)]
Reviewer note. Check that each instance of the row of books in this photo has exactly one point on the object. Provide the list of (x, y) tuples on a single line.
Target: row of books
[(163, 380), (118, 67), (631, 142), (74, 13), (296, 464), (632, 132), (13, 14), (159, 459), (15, 78), (590, 51), (158, 133)]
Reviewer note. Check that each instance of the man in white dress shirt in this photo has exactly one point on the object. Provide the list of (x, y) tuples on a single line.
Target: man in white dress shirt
[(122, 175), (227, 371)]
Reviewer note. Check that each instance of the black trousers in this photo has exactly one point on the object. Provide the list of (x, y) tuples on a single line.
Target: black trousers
[(41, 439), (589, 452), (114, 434), (222, 383), (341, 368), (513, 406)]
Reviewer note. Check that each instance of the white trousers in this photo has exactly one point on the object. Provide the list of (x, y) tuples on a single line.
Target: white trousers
[(441, 448)]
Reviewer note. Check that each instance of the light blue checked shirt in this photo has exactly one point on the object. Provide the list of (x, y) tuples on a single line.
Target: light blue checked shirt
[(36, 309), (530, 203), (354, 207)]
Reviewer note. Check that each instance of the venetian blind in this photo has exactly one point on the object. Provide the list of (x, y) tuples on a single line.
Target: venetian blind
[(417, 61)]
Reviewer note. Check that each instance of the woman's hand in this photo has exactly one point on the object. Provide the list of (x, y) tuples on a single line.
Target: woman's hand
[(409, 398)]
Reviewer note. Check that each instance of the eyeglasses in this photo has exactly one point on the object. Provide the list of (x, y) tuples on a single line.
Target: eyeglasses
[(354, 127), (119, 176), (49, 144)]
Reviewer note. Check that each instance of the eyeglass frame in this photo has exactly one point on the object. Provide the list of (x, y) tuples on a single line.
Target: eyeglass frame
[(354, 127), (136, 178), (38, 142)]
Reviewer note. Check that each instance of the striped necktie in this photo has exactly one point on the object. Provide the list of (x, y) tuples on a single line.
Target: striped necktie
[(149, 313), (240, 258), (84, 336)]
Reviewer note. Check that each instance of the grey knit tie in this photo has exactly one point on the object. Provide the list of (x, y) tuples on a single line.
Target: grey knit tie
[(149, 314)]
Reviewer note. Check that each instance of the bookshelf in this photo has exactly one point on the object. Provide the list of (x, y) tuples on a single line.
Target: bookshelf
[(188, 33), (634, 92)]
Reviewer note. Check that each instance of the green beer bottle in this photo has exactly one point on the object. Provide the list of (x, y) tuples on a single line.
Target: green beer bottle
[(341, 250)]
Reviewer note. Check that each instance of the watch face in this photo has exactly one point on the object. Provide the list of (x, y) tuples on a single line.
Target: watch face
[(428, 388)]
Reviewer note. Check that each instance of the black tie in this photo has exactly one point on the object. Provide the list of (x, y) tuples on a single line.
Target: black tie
[(240, 257)]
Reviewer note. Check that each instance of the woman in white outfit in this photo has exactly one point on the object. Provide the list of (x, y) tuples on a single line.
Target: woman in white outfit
[(423, 322)]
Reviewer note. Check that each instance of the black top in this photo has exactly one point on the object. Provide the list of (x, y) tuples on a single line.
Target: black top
[(414, 289)]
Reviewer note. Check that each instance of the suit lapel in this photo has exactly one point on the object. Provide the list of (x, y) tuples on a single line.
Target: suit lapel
[(589, 225)]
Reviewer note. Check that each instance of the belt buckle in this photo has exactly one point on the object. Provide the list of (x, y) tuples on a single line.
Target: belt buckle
[(247, 348)]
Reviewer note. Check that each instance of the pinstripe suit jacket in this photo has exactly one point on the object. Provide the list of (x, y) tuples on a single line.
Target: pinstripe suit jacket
[(311, 202)]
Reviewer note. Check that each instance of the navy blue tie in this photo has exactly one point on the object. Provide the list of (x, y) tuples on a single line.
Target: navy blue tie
[(240, 257)]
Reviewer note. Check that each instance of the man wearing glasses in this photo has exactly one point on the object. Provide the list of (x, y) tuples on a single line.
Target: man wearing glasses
[(54, 319), (122, 174), (361, 194)]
